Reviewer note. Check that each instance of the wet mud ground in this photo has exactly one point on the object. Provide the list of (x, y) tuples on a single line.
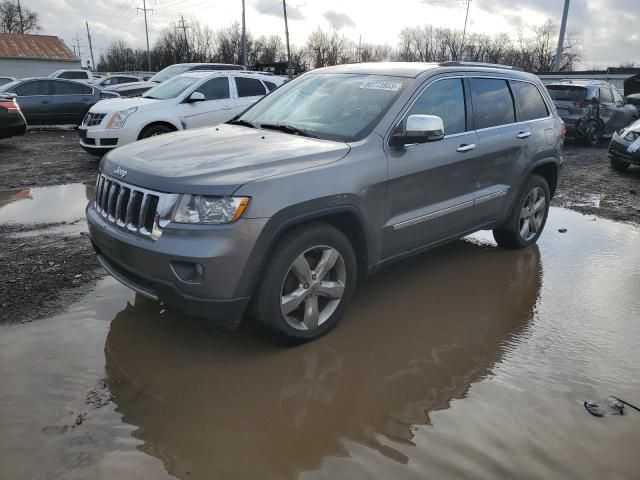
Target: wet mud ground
[(466, 362), (441, 370)]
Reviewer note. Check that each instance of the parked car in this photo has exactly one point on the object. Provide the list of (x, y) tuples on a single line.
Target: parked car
[(132, 89), (12, 122), (50, 101), (5, 80), (624, 149), (78, 74), (189, 100), (333, 175), (116, 80), (590, 109), (633, 99)]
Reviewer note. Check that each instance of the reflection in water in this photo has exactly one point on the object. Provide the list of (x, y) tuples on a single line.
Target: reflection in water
[(13, 196), (419, 334)]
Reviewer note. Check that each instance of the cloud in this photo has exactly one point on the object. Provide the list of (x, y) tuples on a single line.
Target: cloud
[(274, 8), (338, 20)]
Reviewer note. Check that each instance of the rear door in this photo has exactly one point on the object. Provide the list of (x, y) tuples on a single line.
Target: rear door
[(249, 91), (607, 109), (430, 191), (625, 114), (35, 101), (502, 146), (72, 100), (218, 106)]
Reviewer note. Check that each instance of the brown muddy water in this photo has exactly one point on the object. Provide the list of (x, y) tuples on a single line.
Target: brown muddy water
[(465, 362)]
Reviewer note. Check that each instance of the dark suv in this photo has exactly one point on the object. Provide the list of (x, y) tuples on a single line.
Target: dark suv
[(591, 109), (325, 180)]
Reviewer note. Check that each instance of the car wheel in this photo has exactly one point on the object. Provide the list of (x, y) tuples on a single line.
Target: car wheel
[(307, 284), (593, 134), (528, 217), (619, 165), (153, 130)]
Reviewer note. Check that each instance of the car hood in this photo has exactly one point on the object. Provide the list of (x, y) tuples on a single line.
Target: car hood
[(116, 104), (217, 160)]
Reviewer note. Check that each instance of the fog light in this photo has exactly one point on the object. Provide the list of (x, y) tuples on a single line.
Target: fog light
[(188, 272)]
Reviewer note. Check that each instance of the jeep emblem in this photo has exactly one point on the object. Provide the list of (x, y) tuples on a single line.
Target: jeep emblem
[(120, 172)]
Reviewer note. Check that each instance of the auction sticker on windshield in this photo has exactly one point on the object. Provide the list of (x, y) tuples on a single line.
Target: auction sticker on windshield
[(376, 85)]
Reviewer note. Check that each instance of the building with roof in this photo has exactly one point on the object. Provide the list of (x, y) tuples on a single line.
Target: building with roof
[(34, 55)]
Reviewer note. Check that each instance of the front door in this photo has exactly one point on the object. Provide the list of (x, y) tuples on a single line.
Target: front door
[(35, 101), (430, 192), (217, 107)]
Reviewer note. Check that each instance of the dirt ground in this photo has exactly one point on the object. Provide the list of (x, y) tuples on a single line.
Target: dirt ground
[(43, 267)]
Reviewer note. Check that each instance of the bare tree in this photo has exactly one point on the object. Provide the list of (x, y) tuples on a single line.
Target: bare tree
[(14, 21)]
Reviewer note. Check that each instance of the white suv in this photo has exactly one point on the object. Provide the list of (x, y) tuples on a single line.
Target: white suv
[(189, 100), (78, 75)]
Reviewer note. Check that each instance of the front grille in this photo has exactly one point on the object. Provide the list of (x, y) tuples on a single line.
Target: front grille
[(93, 119), (131, 208)]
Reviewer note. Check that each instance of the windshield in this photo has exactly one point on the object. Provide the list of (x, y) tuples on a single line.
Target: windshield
[(341, 107), (567, 92), (170, 89), (167, 73), (7, 87)]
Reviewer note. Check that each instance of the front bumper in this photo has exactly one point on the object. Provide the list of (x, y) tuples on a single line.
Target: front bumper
[(618, 150), (12, 125), (194, 268), (97, 140)]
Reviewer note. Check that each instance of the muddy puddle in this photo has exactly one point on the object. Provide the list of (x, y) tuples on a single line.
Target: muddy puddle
[(466, 362)]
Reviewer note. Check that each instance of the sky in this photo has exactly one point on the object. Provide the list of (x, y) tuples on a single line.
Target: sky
[(608, 28)]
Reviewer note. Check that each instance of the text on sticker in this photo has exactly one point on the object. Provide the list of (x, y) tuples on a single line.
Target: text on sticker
[(375, 85)]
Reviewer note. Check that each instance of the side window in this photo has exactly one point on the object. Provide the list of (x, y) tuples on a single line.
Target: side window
[(529, 101), (617, 97), (74, 75), (444, 98), (249, 87), (38, 87), (215, 89), (270, 85), (70, 88), (605, 95), (492, 103)]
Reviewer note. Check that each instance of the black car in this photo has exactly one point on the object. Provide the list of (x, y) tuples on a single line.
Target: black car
[(633, 99), (53, 101), (133, 89), (591, 109), (12, 122), (624, 149)]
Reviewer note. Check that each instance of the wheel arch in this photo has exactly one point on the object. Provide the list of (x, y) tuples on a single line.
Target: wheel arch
[(547, 169), (165, 123)]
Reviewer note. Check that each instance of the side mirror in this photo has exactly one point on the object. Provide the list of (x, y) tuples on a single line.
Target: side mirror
[(196, 97), (419, 129)]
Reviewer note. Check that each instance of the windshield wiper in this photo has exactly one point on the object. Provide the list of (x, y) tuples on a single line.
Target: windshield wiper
[(287, 129), (242, 123), (151, 97)]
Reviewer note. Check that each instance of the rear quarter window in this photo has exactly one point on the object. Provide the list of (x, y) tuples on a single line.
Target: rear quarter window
[(492, 103), (529, 101), (249, 87)]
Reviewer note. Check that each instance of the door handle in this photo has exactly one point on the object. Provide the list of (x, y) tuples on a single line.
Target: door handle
[(227, 108), (524, 135), (466, 147), (44, 102), (85, 99)]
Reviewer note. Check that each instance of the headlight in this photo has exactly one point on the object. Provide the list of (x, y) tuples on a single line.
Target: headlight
[(118, 118), (211, 210), (632, 136)]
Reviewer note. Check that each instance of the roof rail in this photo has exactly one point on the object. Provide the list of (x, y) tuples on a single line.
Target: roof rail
[(456, 63)]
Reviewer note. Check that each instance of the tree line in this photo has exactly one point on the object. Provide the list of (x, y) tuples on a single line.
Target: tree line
[(17, 19), (426, 43)]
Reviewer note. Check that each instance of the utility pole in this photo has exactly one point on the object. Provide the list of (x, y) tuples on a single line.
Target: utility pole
[(464, 30), (146, 30), (21, 20), (186, 41), (78, 47), (93, 63), (563, 26), (244, 38), (360, 49), (286, 32)]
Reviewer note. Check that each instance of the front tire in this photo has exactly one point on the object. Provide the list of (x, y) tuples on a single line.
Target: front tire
[(153, 130), (307, 284), (592, 134), (528, 218), (619, 165)]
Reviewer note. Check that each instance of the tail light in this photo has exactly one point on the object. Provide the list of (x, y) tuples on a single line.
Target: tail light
[(12, 107)]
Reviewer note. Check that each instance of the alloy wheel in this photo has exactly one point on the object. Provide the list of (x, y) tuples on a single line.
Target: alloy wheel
[(313, 287), (532, 214)]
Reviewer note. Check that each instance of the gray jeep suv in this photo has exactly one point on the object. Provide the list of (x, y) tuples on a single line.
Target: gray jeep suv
[(322, 182)]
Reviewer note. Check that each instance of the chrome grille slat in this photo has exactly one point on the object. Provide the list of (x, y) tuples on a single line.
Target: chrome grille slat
[(131, 208), (93, 119)]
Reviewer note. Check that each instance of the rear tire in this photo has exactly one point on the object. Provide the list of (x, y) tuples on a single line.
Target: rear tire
[(619, 165), (528, 217), (307, 284), (593, 134), (153, 130)]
